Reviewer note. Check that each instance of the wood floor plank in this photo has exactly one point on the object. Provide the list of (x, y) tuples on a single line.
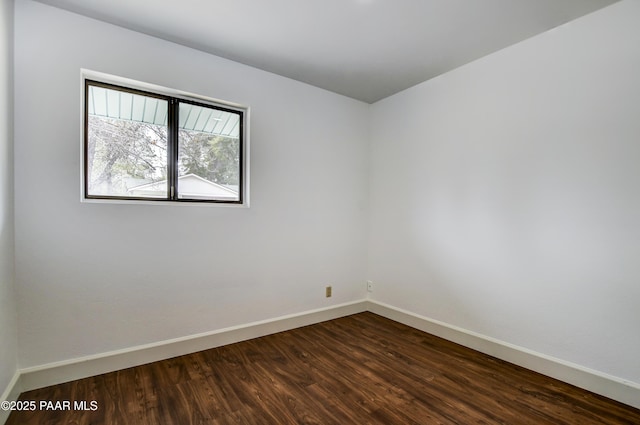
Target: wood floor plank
[(360, 369)]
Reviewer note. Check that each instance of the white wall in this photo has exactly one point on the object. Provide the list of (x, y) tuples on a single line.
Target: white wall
[(8, 326), (505, 195), (98, 277)]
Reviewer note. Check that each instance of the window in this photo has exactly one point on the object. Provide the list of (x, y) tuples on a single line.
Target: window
[(140, 145)]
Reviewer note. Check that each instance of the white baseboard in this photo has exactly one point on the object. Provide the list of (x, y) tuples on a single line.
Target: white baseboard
[(59, 372), (11, 393), (618, 389), (55, 373)]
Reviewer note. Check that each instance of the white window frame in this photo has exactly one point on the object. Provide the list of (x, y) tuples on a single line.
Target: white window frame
[(173, 93)]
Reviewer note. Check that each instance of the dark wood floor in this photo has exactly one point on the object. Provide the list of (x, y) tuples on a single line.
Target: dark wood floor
[(361, 369)]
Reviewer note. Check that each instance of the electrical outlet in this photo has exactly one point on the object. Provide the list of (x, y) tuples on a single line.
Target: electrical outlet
[(327, 292), (369, 286)]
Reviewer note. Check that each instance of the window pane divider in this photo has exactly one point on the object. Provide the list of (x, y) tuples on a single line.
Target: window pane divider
[(172, 149)]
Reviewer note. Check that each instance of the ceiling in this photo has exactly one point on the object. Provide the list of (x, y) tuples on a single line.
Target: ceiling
[(364, 49)]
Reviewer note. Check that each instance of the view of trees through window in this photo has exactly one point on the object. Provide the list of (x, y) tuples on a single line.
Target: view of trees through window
[(122, 155), (128, 157), (213, 158)]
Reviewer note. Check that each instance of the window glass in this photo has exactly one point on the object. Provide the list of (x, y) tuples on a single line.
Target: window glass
[(208, 153), (126, 150)]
